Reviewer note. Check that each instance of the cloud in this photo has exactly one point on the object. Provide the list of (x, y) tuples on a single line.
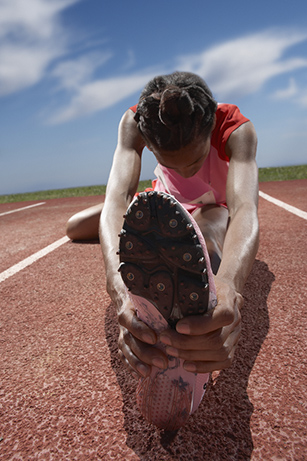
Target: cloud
[(293, 93), (302, 100), (242, 66), (130, 60), (99, 95), (22, 66), (72, 74), (31, 38), (33, 41), (288, 92), (232, 69)]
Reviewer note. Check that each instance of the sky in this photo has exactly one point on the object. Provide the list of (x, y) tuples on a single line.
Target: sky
[(69, 69)]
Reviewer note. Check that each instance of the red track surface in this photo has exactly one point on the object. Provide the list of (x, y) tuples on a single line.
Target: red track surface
[(63, 392)]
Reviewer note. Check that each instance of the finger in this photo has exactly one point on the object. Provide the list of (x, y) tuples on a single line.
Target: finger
[(229, 301), (128, 319), (137, 372), (202, 324), (206, 367), (148, 354), (219, 354), (224, 359), (129, 359), (210, 341), (222, 315), (240, 301), (140, 356), (199, 355)]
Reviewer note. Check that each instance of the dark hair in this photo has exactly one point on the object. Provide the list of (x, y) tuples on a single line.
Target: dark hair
[(175, 109)]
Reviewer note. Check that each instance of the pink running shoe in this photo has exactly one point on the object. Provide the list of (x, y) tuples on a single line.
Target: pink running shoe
[(166, 268)]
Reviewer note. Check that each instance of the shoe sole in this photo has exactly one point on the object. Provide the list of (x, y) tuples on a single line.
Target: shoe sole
[(165, 266)]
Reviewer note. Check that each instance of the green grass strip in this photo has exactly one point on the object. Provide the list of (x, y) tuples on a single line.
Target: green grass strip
[(62, 193), (284, 173)]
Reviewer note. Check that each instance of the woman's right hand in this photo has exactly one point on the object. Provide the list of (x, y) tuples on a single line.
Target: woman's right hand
[(136, 343)]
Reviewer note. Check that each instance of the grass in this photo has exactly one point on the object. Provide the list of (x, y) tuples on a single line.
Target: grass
[(61, 193), (265, 174), (283, 173)]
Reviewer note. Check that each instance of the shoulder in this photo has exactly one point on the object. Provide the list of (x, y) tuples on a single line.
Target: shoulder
[(242, 143), (228, 119), (228, 110), (128, 118), (134, 108), (128, 132)]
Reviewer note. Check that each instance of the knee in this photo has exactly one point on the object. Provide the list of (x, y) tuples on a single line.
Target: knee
[(212, 221), (72, 226), (84, 225), (215, 254), (213, 247), (211, 237)]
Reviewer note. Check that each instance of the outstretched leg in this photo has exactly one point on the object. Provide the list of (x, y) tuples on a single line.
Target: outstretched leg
[(85, 224), (212, 221), (166, 268)]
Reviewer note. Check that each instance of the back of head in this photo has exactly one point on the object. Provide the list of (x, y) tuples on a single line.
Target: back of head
[(175, 109)]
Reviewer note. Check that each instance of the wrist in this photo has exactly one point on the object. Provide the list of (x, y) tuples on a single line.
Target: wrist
[(227, 293), (224, 280), (117, 291)]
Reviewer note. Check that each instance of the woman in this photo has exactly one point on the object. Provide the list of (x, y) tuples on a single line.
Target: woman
[(206, 159)]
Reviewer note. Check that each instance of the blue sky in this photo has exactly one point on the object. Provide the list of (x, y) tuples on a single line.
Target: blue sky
[(70, 68)]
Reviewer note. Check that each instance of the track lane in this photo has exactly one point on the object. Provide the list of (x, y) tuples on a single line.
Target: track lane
[(291, 192), (16, 210), (30, 230), (65, 395)]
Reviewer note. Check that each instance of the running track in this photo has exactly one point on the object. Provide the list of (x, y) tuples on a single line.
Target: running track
[(63, 392)]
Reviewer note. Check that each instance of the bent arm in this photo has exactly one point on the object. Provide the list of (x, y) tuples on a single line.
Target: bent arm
[(209, 342), (121, 187), (242, 237), (136, 339)]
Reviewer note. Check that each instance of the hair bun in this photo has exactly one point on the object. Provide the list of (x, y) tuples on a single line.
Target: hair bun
[(175, 105)]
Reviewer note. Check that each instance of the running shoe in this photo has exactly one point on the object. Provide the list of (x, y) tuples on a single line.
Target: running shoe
[(165, 266)]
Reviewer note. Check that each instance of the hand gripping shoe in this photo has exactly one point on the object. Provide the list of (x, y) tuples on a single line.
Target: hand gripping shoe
[(165, 266)]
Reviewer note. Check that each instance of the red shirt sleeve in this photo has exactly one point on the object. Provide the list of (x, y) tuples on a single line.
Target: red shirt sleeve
[(228, 119), (134, 108)]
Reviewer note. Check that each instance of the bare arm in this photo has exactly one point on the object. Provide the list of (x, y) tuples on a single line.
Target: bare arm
[(135, 337), (241, 242), (209, 343), (122, 185)]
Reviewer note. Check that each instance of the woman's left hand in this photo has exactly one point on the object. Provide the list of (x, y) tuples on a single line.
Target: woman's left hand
[(208, 342)]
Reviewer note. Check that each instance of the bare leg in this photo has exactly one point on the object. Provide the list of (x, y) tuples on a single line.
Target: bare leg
[(85, 224), (213, 220)]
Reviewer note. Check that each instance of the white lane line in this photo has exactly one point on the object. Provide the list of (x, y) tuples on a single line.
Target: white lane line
[(285, 206), (20, 209), (31, 259)]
